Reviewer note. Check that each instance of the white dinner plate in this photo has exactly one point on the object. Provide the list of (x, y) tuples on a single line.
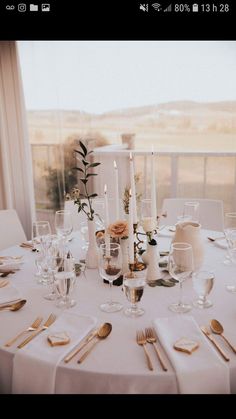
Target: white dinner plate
[(165, 232)]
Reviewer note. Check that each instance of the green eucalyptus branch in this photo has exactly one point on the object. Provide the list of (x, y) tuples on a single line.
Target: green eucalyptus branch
[(82, 155)]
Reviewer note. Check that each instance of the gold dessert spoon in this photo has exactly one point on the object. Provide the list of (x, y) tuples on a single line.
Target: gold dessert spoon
[(217, 328), (13, 307), (102, 333)]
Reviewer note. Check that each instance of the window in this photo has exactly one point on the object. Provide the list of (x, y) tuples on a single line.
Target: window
[(179, 97)]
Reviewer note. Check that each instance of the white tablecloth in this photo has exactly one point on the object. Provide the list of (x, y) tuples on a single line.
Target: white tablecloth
[(117, 364)]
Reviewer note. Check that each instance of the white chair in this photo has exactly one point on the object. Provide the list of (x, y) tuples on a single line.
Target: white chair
[(211, 214), (11, 230)]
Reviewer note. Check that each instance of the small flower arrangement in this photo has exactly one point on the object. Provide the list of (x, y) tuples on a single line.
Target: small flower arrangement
[(119, 229), (76, 194)]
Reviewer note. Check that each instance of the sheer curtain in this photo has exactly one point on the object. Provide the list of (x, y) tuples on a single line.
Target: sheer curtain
[(16, 180)]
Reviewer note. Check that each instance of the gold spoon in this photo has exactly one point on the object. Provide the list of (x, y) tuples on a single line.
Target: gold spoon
[(15, 306), (102, 333), (217, 328)]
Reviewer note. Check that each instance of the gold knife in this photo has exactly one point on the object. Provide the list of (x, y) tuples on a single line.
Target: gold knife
[(209, 336), (75, 351)]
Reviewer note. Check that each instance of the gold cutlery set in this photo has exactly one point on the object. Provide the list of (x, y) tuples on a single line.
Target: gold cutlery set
[(150, 337), (217, 328), (35, 329), (96, 335)]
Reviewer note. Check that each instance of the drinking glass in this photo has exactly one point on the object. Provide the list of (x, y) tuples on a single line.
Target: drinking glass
[(55, 255), (110, 267), (229, 225), (191, 211), (133, 288), (231, 242), (63, 224), (40, 232), (64, 278), (180, 267), (203, 282)]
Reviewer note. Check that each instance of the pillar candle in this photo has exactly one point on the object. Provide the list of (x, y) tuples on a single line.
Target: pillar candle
[(133, 189), (117, 201), (153, 189), (131, 229)]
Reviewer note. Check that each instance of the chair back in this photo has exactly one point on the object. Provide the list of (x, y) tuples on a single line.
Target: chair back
[(11, 230)]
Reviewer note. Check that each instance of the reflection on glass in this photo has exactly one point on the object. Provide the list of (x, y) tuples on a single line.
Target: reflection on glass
[(133, 288), (202, 284), (110, 266), (180, 267)]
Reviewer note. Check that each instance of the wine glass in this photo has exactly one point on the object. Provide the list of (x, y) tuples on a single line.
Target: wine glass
[(133, 287), (180, 267), (64, 278), (41, 230), (229, 225), (110, 267), (231, 242), (203, 282), (54, 263), (190, 212), (63, 224)]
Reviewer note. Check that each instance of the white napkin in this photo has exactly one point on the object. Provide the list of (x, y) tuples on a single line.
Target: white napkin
[(35, 365), (8, 294), (202, 372)]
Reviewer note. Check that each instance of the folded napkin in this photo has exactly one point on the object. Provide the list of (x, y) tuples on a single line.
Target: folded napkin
[(35, 365), (8, 294), (202, 372)]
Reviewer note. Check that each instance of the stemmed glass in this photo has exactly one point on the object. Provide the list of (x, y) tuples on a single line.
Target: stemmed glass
[(180, 267), (133, 288), (110, 267), (54, 260), (190, 212), (229, 225), (63, 224), (41, 230), (202, 284), (230, 235), (64, 278)]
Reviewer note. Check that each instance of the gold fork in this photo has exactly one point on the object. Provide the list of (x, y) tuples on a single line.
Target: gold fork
[(151, 338), (34, 326), (51, 319), (141, 340)]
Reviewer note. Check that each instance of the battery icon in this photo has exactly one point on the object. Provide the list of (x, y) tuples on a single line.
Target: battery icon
[(195, 7)]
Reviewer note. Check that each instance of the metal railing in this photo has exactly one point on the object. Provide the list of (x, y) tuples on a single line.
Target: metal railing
[(198, 174)]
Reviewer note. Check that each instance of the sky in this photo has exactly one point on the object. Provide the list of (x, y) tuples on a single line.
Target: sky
[(101, 76)]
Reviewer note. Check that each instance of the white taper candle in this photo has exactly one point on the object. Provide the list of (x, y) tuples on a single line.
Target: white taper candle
[(133, 189), (117, 201), (131, 229)]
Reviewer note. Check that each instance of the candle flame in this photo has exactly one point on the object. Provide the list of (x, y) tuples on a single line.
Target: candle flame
[(105, 188), (130, 156), (130, 193), (115, 165)]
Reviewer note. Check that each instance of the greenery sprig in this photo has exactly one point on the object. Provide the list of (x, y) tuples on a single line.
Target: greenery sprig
[(86, 207)]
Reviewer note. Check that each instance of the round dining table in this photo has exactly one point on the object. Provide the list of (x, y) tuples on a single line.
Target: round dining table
[(117, 364)]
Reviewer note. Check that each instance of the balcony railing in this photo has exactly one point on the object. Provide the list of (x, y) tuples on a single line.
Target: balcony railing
[(178, 174)]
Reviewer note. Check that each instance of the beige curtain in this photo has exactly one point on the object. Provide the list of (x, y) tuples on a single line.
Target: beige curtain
[(16, 179)]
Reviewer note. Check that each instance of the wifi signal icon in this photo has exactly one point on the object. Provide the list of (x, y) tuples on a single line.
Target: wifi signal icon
[(156, 6)]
